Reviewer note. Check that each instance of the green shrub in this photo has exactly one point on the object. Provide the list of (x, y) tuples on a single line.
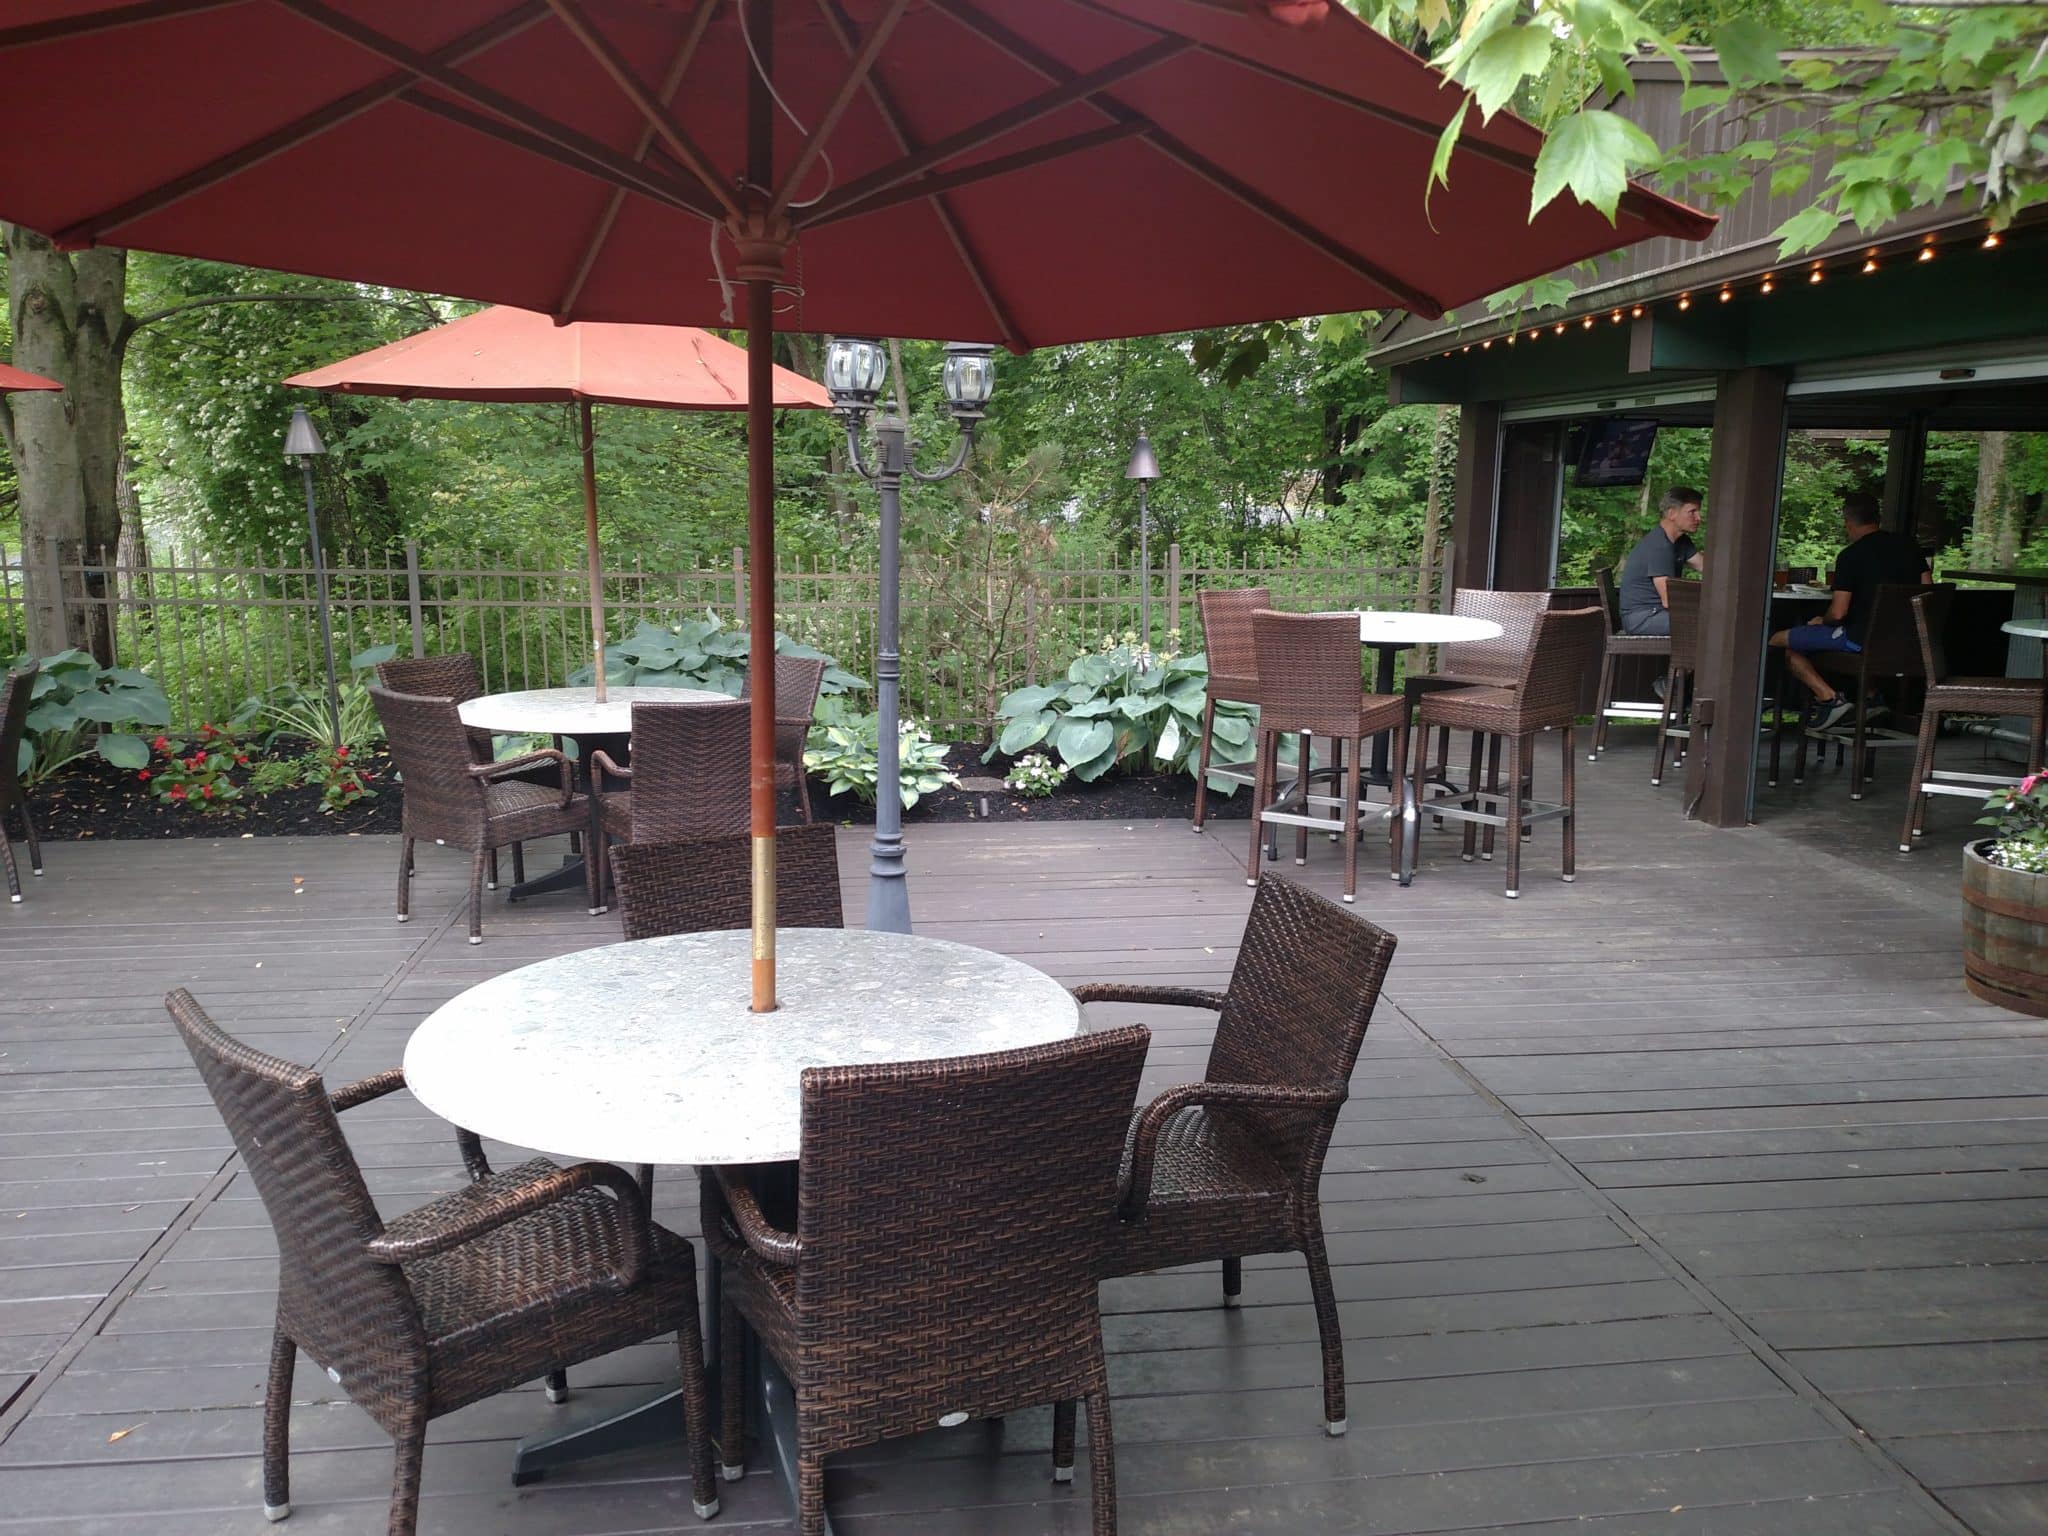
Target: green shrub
[(199, 775), (846, 751), (299, 710), (1034, 776), (698, 653), (77, 706)]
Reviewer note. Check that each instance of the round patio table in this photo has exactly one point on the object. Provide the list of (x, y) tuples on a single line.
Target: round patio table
[(594, 727), (2034, 628), (648, 1052)]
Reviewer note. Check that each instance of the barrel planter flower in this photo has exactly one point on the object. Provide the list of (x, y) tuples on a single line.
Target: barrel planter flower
[(2005, 933)]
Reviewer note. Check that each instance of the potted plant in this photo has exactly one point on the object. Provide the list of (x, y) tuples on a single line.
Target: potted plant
[(2005, 900)]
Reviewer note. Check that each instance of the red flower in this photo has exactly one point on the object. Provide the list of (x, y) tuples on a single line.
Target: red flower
[(177, 791), (206, 730), (341, 754), (206, 791), (143, 774), (198, 759), (242, 758), (161, 744)]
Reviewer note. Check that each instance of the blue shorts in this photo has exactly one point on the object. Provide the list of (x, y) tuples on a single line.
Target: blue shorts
[(1808, 638)]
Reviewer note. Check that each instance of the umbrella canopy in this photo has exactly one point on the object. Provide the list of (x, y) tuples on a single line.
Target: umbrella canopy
[(13, 380), (1015, 171), (516, 355)]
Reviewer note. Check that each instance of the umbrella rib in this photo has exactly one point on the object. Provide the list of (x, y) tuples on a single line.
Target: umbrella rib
[(584, 152), (601, 231), (885, 106), (321, 120), (1195, 163), (115, 20), (858, 69), (989, 169), (673, 139), (993, 128)]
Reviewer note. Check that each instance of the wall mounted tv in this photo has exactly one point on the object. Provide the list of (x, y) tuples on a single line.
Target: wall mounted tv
[(1615, 450)]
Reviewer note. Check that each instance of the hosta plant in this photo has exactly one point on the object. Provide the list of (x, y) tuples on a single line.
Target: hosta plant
[(846, 754), (76, 706), (698, 653), (1034, 776)]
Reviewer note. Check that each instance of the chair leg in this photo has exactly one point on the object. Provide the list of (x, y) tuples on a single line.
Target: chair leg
[(732, 1431), (491, 878), (1923, 764), (7, 862), (1493, 784), (1337, 763), (1202, 761), (1856, 768), (1569, 793), (1266, 752), (411, 1448), (35, 847), (476, 896), (1518, 748), (405, 879), (519, 863), (1473, 785), (810, 1494), (1602, 697), (1233, 1282), (696, 1414), (1397, 778), (1101, 1464), (1663, 731), (557, 1385), (1308, 762), (1352, 789), (277, 1428), (803, 792), (1063, 1441), (1329, 1328)]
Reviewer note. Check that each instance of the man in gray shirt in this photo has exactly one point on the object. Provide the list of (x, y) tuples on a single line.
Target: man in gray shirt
[(1658, 557)]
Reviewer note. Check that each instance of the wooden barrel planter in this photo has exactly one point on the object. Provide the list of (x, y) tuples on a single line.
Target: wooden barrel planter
[(2005, 934)]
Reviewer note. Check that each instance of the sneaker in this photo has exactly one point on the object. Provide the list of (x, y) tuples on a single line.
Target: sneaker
[(1832, 713)]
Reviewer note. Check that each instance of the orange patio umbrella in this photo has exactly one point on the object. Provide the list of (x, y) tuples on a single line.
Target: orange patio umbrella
[(13, 380), (516, 355)]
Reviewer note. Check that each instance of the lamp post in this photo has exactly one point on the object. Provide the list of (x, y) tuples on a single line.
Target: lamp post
[(1144, 468), (855, 370), (302, 442)]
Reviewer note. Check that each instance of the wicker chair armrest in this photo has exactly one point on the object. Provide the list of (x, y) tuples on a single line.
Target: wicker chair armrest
[(373, 1087), (1165, 997), (527, 760), (1144, 1141), (762, 1236), (602, 767), (470, 1213)]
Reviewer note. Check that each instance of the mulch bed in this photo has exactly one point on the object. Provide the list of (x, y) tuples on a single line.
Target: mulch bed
[(95, 800)]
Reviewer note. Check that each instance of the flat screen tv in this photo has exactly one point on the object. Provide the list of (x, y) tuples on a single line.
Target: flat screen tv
[(1615, 450)]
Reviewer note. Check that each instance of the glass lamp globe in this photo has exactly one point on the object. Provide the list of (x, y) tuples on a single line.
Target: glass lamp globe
[(855, 369), (970, 376)]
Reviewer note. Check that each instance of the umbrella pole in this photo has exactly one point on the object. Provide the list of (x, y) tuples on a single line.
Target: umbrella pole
[(761, 622), (591, 550)]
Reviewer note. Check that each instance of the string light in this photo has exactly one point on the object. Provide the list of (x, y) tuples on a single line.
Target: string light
[(1815, 275), (1535, 331), (1615, 317), (1768, 285), (1560, 327), (1685, 301), (1587, 323), (1484, 345), (1927, 250), (1727, 293), (1511, 339), (1635, 312), (1870, 261), (1991, 241)]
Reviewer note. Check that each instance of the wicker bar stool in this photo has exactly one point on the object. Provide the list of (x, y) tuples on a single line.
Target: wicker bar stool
[(2023, 696), (517, 1275), (1309, 683), (15, 690), (952, 1226), (1619, 644), (699, 884), (1233, 1164), (456, 801), (1675, 722), (1562, 649), (1493, 663), (797, 681), (1226, 615)]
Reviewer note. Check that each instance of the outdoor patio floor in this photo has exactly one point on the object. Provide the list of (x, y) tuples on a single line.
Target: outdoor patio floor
[(1696, 1198)]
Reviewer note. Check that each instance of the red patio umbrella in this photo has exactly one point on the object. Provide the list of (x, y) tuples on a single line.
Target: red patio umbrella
[(516, 355), (15, 380), (1016, 171)]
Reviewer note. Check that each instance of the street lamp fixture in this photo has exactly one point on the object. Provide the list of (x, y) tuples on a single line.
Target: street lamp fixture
[(856, 367), (302, 442), (1144, 468)]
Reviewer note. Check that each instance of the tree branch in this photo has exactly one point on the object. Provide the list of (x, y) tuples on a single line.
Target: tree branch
[(153, 317)]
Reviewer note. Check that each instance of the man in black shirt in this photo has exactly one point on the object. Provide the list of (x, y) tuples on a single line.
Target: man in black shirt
[(1874, 558), (1658, 557)]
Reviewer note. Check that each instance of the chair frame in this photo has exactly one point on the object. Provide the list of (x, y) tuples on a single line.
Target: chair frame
[(1890, 651), (696, 885), (798, 681), (1674, 723), (1620, 644), (1226, 615), (16, 689)]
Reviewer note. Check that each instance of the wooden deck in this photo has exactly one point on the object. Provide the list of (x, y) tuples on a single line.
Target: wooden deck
[(1696, 1198)]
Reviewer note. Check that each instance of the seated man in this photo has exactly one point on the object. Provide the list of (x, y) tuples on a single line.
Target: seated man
[(1656, 560), (1875, 557)]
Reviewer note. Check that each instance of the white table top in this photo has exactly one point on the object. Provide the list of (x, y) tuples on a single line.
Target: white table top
[(1394, 627), (2037, 628), (572, 711), (648, 1052), (1802, 590)]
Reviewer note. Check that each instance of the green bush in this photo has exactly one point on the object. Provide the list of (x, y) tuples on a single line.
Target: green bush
[(77, 706), (698, 653), (846, 751), (299, 710)]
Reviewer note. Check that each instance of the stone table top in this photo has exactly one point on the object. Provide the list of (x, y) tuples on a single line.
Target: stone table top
[(572, 711), (1393, 627), (648, 1052), (2037, 628)]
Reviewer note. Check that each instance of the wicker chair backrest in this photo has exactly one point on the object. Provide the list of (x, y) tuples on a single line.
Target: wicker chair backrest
[(797, 681), (955, 1218), (15, 689), (430, 748), (1309, 673), (1610, 599), (689, 770), (1891, 645), (1568, 643), (1684, 598), (695, 885), (1514, 612), (1930, 622), (1226, 615), (351, 1314), (453, 675)]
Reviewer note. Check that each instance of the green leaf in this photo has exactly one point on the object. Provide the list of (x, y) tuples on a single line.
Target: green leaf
[(50, 716), (1095, 767), (1169, 742), (1790, 177), (1081, 741), (1749, 52), (24, 758), (1590, 154), (1440, 162), (362, 661), (1805, 229), (124, 750), (1133, 706), (1495, 69), (1025, 731), (106, 708), (1231, 730), (1697, 98), (1025, 701), (1091, 709)]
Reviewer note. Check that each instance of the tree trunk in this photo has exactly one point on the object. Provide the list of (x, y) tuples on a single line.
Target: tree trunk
[(1994, 529), (70, 315)]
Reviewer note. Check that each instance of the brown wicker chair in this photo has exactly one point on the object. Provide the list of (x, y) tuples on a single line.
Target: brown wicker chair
[(1226, 616), (952, 1224), (1482, 663), (797, 681), (15, 689), (1564, 646), (517, 1275), (1674, 722), (2023, 696), (1232, 1165), (1309, 683), (696, 885), (454, 800), (1619, 645), (688, 777), (1891, 652)]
